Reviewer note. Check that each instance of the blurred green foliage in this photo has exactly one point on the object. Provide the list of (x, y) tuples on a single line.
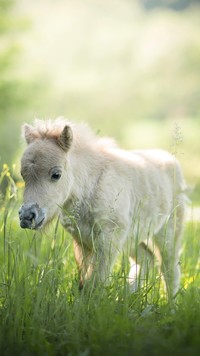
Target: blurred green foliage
[(15, 92), (12, 91), (128, 68)]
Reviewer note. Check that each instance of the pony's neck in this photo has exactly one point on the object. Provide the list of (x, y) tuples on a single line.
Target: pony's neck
[(85, 169)]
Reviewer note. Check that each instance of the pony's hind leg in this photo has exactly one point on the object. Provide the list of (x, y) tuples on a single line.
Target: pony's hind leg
[(168, 241), (141, 262)]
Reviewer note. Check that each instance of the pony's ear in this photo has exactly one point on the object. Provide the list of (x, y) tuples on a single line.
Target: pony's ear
[(28, 133), (66, 138)]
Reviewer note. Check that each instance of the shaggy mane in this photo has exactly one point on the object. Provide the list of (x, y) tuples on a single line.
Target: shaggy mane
[(82, 134)]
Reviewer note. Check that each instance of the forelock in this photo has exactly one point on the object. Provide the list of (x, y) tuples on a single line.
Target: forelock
[(49, 128)]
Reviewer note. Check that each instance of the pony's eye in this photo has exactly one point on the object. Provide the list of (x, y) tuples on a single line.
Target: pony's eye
[(55, 174)]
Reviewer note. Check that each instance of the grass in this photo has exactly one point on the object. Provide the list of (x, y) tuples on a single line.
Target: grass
[(42, 311)]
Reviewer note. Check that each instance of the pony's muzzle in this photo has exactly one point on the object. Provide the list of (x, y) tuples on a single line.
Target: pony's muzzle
[(31, 216)]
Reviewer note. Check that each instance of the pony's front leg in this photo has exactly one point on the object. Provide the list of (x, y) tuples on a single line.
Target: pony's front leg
[(107, 244), (95, 264), (83, 258), (91, 263)]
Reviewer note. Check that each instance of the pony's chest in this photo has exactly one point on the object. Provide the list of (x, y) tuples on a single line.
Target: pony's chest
[(78, 219)]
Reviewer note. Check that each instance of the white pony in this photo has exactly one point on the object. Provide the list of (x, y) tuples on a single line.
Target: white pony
[(108, 199)]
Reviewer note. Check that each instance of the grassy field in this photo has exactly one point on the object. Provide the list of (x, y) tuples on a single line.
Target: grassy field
[(42, 311)]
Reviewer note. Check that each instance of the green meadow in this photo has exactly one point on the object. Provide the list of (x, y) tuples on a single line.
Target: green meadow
[(42, 311)]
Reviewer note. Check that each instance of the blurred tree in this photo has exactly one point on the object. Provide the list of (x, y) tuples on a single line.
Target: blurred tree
[(173, 4), (12, 93), (15, 92)]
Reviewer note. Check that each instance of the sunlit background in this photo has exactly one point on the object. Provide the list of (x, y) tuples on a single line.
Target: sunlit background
[(130, 69)]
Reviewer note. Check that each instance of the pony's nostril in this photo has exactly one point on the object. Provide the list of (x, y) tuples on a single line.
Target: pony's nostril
[(28, 213), (20, 213), (32, 215)]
